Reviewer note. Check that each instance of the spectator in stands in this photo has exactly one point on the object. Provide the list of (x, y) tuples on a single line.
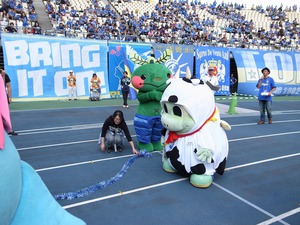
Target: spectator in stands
[(91, 31), (4, 7), (36, 28), (12, 4), (25, 23), (76, 26), (68, 31), (224, 39), (4, 23), (61, 10), (32, 16), (182, 26), (19, 8), (60, 28), (11, 28), (73, 12), (11, 14), (50, 10)]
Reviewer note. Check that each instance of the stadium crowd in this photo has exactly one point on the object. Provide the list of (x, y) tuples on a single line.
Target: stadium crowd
[(166, 21)]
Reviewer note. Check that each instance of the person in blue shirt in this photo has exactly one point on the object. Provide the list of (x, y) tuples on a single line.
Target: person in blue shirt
[(266, 86), (73, 12)]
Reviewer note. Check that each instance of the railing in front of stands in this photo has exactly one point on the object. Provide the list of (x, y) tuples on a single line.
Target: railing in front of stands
[(180, 41)]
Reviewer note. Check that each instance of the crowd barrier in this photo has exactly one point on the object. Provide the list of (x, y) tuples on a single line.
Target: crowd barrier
[(38, 65)]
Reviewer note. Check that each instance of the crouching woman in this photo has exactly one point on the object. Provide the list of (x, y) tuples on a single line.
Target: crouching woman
[(114, 131)]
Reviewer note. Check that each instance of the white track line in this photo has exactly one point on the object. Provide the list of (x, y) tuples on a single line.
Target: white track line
[(272, 220), (94, 140), (177, 180), (250, 204), (250, 124), (54, 145), (282, 216), (64, 128), (99, 125), (262, 161), (82, 163), (273, 217), (264, 136), (123, 193)]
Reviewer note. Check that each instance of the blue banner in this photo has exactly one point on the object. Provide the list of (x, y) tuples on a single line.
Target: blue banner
[(38, 66), (181, 58), (284, 67), (119, 61), (219, 59)]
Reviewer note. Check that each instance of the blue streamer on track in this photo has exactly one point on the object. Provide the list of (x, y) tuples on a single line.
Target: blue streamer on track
[(93, 188)]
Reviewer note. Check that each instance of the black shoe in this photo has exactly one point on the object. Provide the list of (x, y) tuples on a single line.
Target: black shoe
[(119, 149), (109, 149), (13, 133)]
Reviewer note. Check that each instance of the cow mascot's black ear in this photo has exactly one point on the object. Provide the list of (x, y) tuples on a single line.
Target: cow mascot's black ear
[(212, 87)]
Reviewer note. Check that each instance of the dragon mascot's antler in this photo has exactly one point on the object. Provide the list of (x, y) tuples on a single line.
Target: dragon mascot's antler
[(140, 61)]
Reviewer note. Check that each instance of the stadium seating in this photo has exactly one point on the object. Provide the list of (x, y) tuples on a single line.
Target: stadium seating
[(177, 22)]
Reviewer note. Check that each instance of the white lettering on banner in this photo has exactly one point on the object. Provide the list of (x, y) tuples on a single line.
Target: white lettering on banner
[(20, 53), (22, 83), (37, 81), (55, 48), (287, 91), (200, 54), (65, 52), (218, 53), (16, 52), (80, 81), (95, 61), (40, 52), (59, 84), (273, 60), (225, 55)]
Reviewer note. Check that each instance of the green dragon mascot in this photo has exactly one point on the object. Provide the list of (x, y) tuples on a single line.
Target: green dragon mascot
[(150, 79)]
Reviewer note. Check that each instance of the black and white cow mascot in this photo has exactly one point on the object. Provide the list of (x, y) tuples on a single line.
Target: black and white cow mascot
[(195, 143)]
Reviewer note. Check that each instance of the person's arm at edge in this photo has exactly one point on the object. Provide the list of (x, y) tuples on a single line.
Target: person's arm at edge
[(9, 92), (129, 138), (134, 151)]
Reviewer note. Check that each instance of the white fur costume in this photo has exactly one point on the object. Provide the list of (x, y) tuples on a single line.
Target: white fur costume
[(196, 121)]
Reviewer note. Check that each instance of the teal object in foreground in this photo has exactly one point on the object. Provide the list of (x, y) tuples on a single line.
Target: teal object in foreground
[(24, 198)]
